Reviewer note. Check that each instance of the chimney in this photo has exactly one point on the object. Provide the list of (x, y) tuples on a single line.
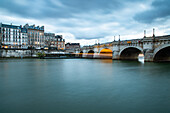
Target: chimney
[(26, 26)]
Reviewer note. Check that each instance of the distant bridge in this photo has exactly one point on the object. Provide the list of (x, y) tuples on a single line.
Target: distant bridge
[(153, 48)]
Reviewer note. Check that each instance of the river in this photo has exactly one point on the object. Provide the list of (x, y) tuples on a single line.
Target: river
[(83, 86)]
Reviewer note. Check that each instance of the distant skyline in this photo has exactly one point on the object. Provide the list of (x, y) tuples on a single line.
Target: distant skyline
[(90, 20)]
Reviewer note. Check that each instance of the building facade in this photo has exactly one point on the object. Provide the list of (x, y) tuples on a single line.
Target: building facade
[(59, 42), (54, 42), (12, 36), (35, 36), (24, 38), (29, 36), (49, 40), (71, 47)]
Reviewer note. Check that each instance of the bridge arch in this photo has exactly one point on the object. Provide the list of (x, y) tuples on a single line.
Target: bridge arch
[(130, 53), (106, 53), (90, 54), (162, 53), (90, 51), (81, 51), (81, 54)]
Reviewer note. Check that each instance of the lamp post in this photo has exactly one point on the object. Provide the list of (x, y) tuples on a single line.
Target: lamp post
[(0, 38), (119, 43)]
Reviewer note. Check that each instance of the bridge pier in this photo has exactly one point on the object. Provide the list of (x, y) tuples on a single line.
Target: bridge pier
[(115, 55), (116, 50), (148, 56)]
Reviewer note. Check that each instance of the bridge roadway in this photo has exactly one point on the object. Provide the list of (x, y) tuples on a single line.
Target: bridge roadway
[(153, 48)]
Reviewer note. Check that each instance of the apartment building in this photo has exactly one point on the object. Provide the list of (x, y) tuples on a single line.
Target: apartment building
[(50, 40), (35, 36), (60, 42), (71, 47), (12, 36)]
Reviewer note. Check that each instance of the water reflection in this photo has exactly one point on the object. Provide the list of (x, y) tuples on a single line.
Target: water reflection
[(141, 58), (84, 86), (106, 60)]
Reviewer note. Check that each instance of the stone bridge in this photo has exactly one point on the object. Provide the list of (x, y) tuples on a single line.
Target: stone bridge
[(152, 48)]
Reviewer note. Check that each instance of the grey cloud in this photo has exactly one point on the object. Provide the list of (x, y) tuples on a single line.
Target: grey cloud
[(86, 19), (35, 9), (161, 9), (64, 9)]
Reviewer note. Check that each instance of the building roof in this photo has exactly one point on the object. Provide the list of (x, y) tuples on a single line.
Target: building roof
[(58, 36), (10, 26), (73, 44), (27, 26), (23, 30), (49, 34)]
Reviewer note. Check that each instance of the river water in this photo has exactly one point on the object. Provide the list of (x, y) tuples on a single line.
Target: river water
[(83, 86)]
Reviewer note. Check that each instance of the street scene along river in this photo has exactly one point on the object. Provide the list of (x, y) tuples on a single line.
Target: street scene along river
[(83, 86)]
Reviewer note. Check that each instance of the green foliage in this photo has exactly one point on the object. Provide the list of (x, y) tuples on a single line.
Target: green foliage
[(41, 54)]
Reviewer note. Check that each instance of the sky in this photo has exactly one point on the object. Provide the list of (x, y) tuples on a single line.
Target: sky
[(90, 21)]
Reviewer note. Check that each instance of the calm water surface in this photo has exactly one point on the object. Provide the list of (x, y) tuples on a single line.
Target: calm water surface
[(83, 86)]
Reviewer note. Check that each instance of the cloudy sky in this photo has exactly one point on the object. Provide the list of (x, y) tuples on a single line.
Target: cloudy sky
[(87, 21)]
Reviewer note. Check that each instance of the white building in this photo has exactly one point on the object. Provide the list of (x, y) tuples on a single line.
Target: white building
[(13, 36), (24, 38)]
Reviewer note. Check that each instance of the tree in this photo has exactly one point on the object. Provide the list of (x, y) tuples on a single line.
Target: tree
[(41, 55)]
